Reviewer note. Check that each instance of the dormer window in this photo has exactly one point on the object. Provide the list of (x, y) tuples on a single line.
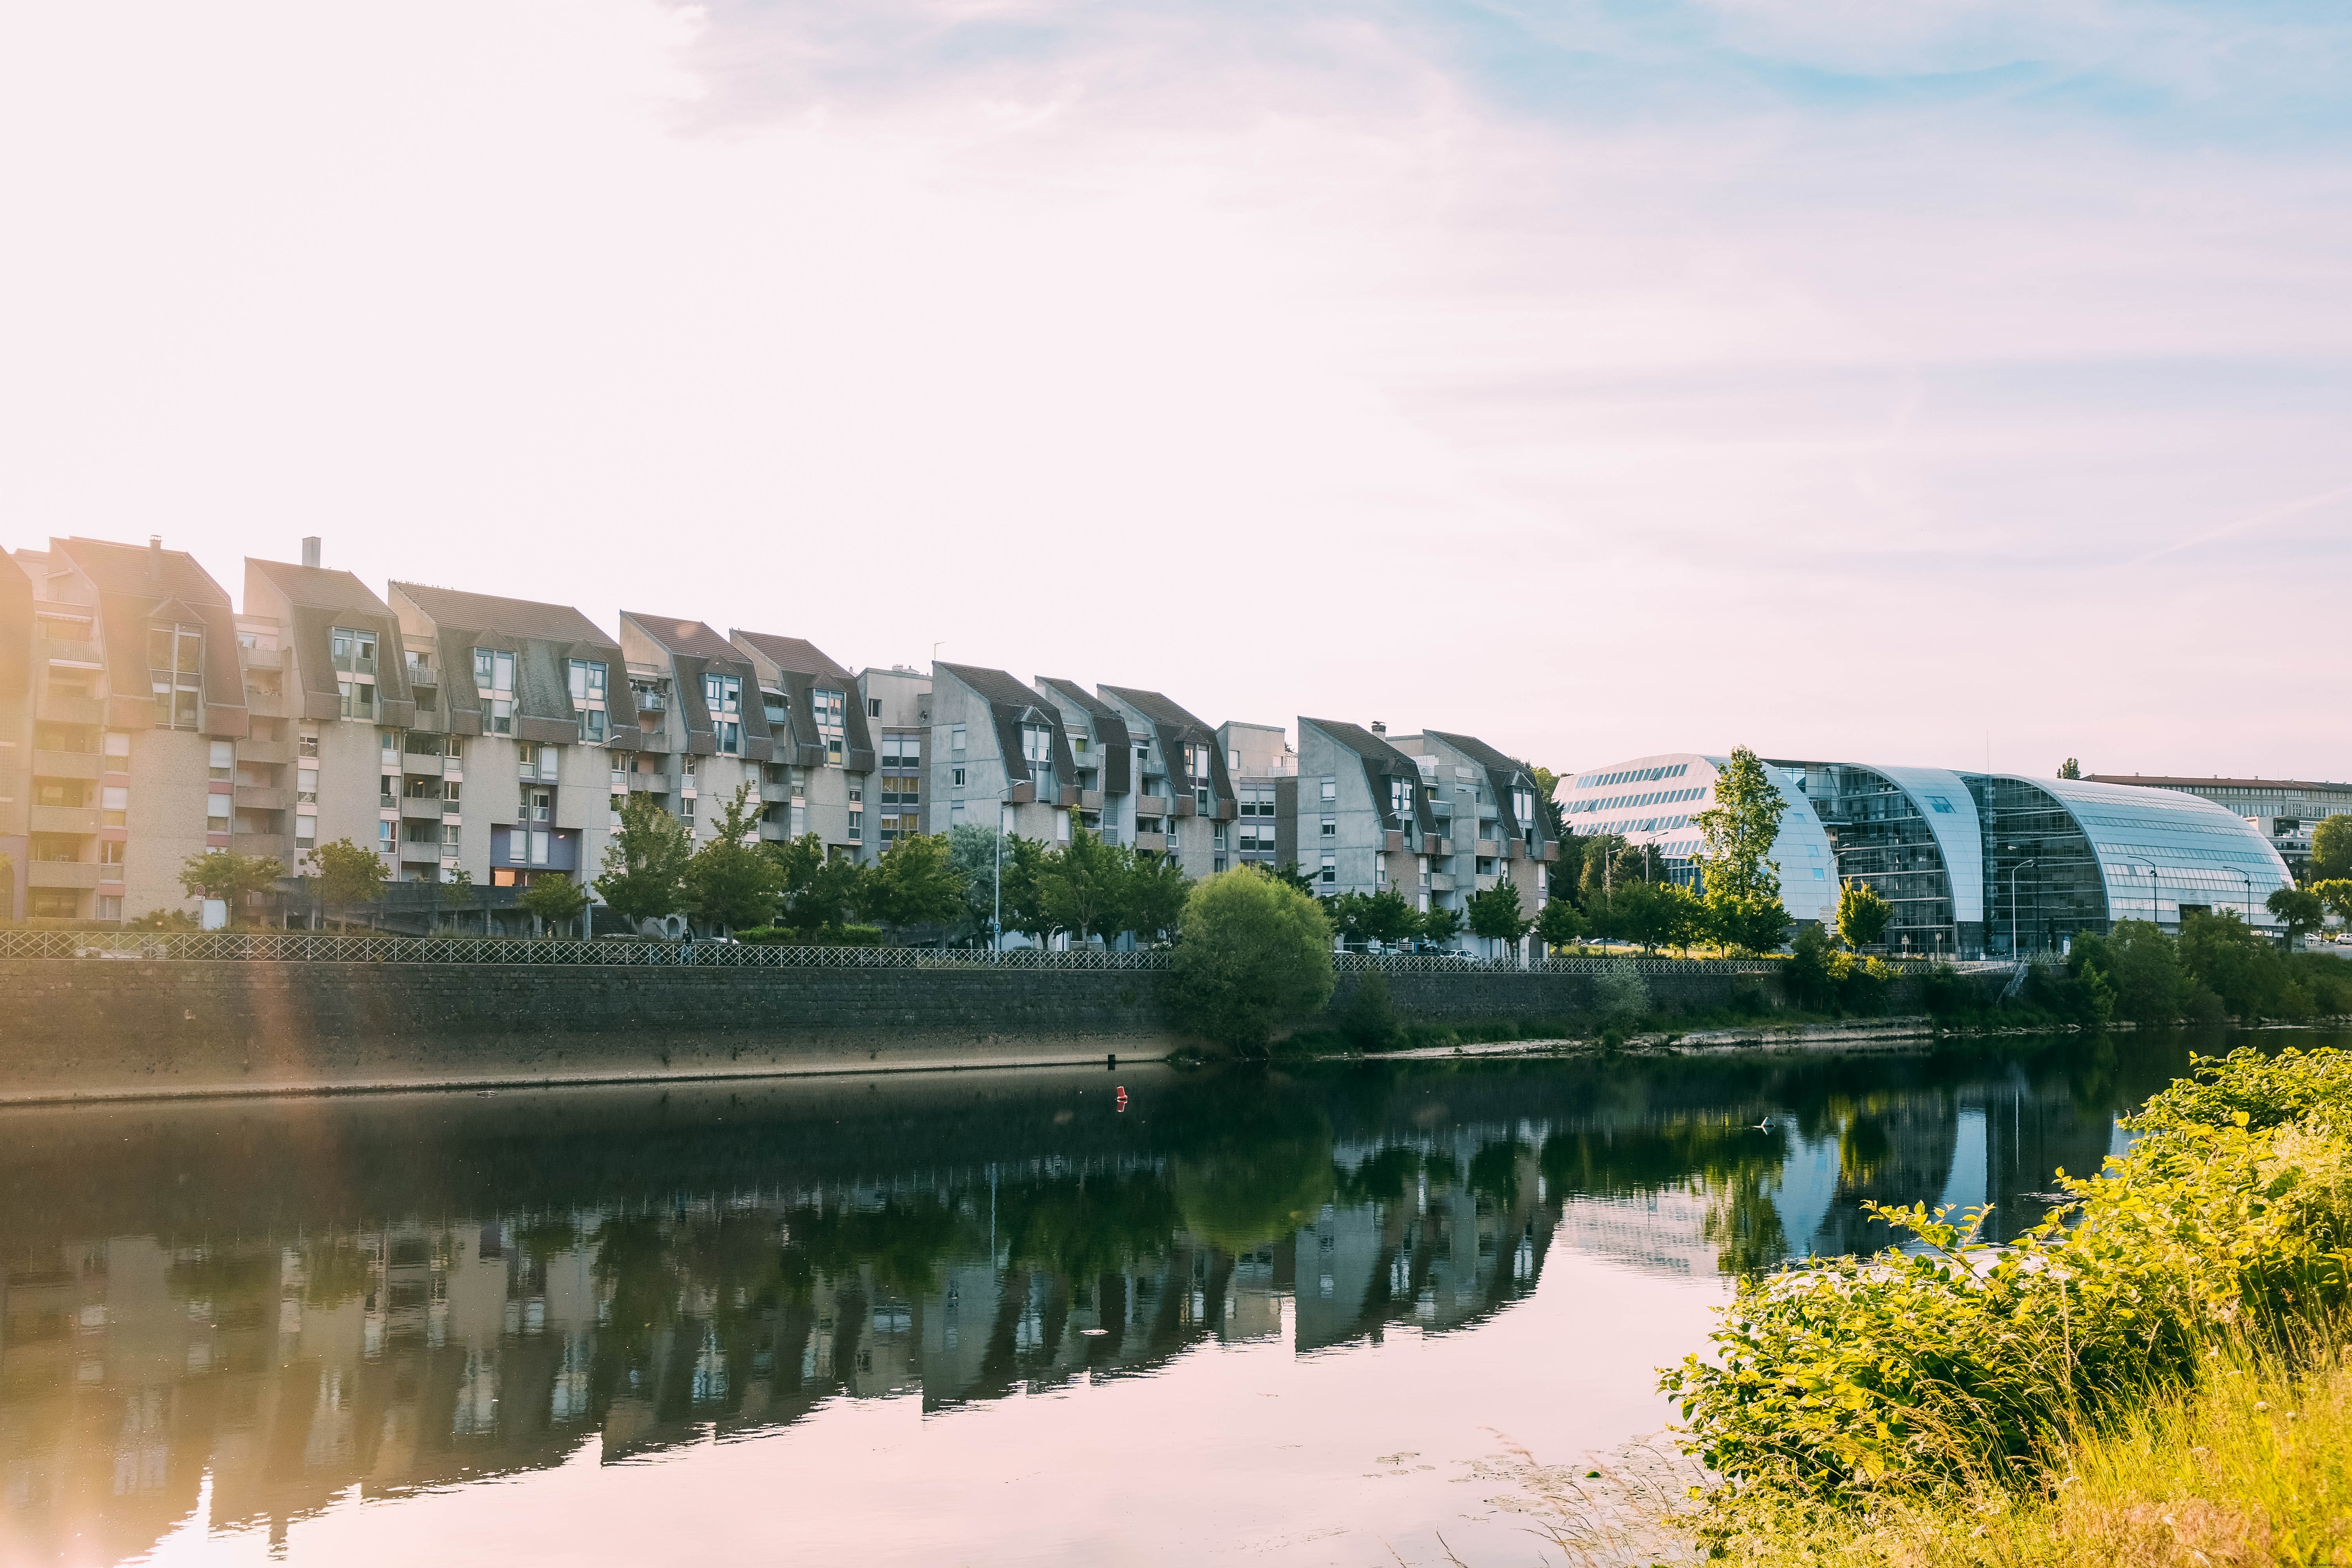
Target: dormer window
[(831, 710), (1401, 798), (494, 682), (723, 695), (1036, 743), (174, 655)]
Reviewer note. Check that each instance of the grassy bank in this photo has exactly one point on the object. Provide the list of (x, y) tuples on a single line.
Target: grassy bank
[(2115, 1388)]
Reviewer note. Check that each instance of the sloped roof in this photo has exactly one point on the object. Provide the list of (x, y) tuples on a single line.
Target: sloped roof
[(511, 618), (995, 685), (122, 569), (797, 655), (692, 638), (1160, 709), (1364, 744), (319, 587)]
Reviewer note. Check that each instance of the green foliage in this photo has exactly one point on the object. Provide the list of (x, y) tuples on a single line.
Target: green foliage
[(731, 880), (1494, 913), (2070, 769), (1369, 1022), (1440, 923), (1086, 886), (914, 882), (1255, 952), (347, 874), (2240, 966), (812, 936), (816, 889), (1383, 917), (1298, 879), (1157, 896), (1862, 915), (225, 874), (1654, 914), (645, 863), (1559, 922), (2140, 967), (557, 900), (1820, 977), (2331, 850), (1741, 878), (1842, 1385), (2298, 910), (2336, 896)]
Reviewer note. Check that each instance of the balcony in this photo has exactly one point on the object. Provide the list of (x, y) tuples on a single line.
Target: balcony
[(1090, 800), (263, 797), (1489, 884), (1551, 852), (67, 650), (265, 704), (1438, 846), (1023, 794), (1068, 796), (1153, 843), (59, 710), (64, 873), (1228, 811), (421, 807), (1151, 806), (422, 674), (261, 658), (80, 819), (355, 663), (277, 846), (420, 852), (1441, 882), (66, 764), (1393, 843), (1186, 806), (266, 751), (1487, 849), (780, 793), (649, 783)]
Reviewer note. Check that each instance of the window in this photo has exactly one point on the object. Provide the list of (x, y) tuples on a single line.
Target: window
[(1234, 760), (955, 776), (1523, 805), (1080, 743), (114, 806), (1938, 803), (449, 788), (1400, 797), (355, 698), (216, 814), (175, 656), (728, 737), (955, 738), (493, 672), (109, 851), (1331, 827), (1330, 789), (387, 837), (306, 831), (722, 694), (306, 745), (901, 749), (856, 825), (118, 743), (110, 906), (305, 786), (874, 707), (1218, 864), (1330, 873), (1217, 837), (588, 678), (386, 792), (354, 650), (1037, 743), (223, 760), (830, 709), (449, 831)]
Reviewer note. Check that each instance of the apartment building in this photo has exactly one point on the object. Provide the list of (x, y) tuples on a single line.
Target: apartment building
[(821, 751), (1265, 771), (1364, 823), (325, 669), (1181, 782), (1487, 820), (138, 704), (897, 704), (703, 732), (1102, 752), (16, 702), (1000, 756), (526, 709)]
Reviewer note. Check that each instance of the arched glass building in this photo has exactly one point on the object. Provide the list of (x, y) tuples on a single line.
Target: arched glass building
[(1975, 864)]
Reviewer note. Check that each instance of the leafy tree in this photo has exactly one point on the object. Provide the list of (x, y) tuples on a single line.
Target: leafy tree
[(1298, 879), (1862, 914), (2241, 966), (645, 863), (2299, 909), (1440, 923), (1646, 912), (914, 883), (2336, 896), (1494, 913), (1559, 922), (1254, 952), (347, 874), (224, 874), (461, 883), (1742, 880), (1087, 887), (731, 880), (2070, 769), (819, 889), (555, 900), (972, 849), (1387, 916), (2331, 850), (2141, 966)]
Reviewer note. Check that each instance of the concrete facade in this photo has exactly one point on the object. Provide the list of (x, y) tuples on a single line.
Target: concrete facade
[(1000, 756), (1488, 820), (821, 755)]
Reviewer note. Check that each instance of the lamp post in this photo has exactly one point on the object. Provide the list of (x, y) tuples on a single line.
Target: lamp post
[(2240, 873), (2152, 909), (2016, 955)]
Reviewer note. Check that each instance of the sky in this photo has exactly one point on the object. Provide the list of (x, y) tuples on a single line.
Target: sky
[(1947, 382)]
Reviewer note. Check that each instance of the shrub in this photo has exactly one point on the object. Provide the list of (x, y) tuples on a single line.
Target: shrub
[(1255, 952), (1855, 1380), (1369, 1022)]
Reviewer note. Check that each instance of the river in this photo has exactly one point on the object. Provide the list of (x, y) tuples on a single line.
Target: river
[(1284, 1317)]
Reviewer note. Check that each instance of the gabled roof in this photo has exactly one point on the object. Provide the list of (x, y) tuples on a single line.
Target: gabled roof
[(996, 685), (1364, 744), (797, 655), (1160, 708), (123, 568), (692, 638), (452, 607), (1500, 771), (320, 588)]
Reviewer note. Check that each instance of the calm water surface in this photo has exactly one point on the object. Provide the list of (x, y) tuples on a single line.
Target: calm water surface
[(985, 1319)]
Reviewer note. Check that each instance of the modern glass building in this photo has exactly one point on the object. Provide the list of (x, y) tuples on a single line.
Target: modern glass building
[(1976, 863)]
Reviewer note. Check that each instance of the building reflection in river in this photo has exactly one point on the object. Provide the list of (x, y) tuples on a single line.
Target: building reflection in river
[(285, 1368)]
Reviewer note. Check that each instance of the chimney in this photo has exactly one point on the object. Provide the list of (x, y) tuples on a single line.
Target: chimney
[(310, 551), (154, 558), (1378, 728)]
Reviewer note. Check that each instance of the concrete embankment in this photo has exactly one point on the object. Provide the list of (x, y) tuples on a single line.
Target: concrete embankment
[(92, 1029)]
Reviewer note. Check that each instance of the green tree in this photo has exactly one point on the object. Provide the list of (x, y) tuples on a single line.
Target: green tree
[(1439, 924), (1387, 916), (2331, 850), (1559, 922), (1086, 887), (461, 883), (225, 875), (914, 883), (1298, 879), (1862, 915), (1494, 913), (2336, 896), (1742, 880), (645, 863), (1158, 896), (1253, 953), (347, 874), (2299, 909), (554, 900), (972, 849), (2241, 966), (730, 881), (2070, 769), (2142, 966), (1646, 912)]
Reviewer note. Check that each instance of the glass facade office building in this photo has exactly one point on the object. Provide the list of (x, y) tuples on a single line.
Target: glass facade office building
[(1976, 863)]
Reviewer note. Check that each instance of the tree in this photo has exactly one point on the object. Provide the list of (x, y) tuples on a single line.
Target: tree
[(2142, 966), (730, 882), (347, 874), (820, 891), (2240, 966), (2070, 769), (461, 883), (2336, 896), (1494, 913), (645, 863), (1862, 915), (232, 878), (914, 883), (2331, 850), (2299, 909), (1253, 953), (1742, 880), (1298, 879), (1158, 896), (1559, 923), (1387, 916), (972, 849), (1645, 912), (555, 900), (1086, 887), (1439, 924)]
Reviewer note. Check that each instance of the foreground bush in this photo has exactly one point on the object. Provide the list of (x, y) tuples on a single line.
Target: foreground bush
[(1846, 1385), (1254, 953)]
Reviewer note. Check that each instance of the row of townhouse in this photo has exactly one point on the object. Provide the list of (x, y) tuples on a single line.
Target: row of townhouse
[(145, 718)]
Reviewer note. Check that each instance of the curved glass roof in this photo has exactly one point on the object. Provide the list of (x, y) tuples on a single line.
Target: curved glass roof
[(1951, 812), (2160, 848)]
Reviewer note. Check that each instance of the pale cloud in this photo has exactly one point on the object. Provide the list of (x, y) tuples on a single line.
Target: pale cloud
[(1596, 378)]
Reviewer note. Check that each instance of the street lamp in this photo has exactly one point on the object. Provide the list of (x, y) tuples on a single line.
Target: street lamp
[(2015, 953), (2240, 873), (2153, 910)]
